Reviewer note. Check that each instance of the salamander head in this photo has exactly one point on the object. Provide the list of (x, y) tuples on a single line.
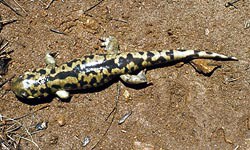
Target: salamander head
[(28, 87), (21, 89)]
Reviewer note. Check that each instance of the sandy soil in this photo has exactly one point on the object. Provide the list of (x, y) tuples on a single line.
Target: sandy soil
[(182, 109)]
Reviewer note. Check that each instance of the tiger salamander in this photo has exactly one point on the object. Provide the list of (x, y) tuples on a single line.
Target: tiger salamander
[(95, 70)]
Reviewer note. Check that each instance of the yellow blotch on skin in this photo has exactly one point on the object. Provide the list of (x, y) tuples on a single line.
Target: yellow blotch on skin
[(156, 56), (117, 71)]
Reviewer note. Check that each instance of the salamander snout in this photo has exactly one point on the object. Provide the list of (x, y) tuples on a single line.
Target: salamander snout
[(18, 87)]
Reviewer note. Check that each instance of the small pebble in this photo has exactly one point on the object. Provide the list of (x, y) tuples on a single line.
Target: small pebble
[(207, 31), (247, 24), (123, 131), (86, 141), (90, 24), (143, 146), (124, 118), (126, 94), (61, 121), (41, 126)]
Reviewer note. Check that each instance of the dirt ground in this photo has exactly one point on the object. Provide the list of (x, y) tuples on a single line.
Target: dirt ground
[(182, 109)]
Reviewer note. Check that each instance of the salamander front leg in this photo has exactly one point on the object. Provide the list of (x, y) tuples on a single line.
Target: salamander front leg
[(50, 60), (135, 79), (110, 44), (62, 94)]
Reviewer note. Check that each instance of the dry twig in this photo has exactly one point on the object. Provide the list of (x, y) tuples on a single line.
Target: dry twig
[(10, 7), (92, 7), (114, 111), (13, 131)]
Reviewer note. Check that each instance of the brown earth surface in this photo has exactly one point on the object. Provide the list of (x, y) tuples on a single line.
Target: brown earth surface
[(182, 109)]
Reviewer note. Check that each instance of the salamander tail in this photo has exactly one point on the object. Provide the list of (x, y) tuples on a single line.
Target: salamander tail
[(194, 54), (212, 55)]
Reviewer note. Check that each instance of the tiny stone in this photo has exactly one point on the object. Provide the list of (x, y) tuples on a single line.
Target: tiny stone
[(125, 117), (143, 146), (86, 141), (123, 131), (6, 87), (207, 31), (247, 24), (61, 121), (41, 126), (126, 94)]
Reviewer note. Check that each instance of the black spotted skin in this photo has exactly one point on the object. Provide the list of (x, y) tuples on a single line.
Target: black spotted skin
[(96, 70)]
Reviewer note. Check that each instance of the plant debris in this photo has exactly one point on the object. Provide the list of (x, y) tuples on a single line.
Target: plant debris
[(204, 66), (124, 118), (10, 7), (4, 57)]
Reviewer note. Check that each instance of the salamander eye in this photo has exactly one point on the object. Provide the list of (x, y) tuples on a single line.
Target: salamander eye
[(24, 94)]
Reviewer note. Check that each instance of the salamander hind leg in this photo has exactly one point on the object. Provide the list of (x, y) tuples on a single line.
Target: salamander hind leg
[(110, 44), (135, 79)]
